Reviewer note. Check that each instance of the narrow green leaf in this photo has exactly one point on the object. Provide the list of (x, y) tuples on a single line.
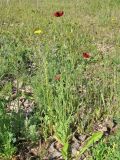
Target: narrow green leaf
[(90, 141), (65, 150)]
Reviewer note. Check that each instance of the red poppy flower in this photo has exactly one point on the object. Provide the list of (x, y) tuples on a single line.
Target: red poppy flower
[(58, 13), (57, 77), (86, 55)]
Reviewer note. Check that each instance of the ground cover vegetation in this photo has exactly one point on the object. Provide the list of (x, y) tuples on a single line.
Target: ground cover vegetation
[(59, 79)]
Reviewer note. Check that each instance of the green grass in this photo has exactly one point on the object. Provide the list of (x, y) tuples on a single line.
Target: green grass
[(88, 89), (107, 149)]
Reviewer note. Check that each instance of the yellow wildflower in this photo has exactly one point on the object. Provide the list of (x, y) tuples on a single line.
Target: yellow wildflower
[(114, 19), (38, 31)]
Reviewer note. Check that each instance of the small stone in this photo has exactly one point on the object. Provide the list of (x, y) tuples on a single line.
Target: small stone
[(74, 152), (28, 89), (26, 103), (51, 148), (55, 154), (34, 151), (76, 145), (82, 138), (82, 157), (13, 106), (58, 146)]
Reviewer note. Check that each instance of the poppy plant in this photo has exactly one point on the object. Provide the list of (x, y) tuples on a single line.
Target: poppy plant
[(58, 13), (86, 55), (57, 77)]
